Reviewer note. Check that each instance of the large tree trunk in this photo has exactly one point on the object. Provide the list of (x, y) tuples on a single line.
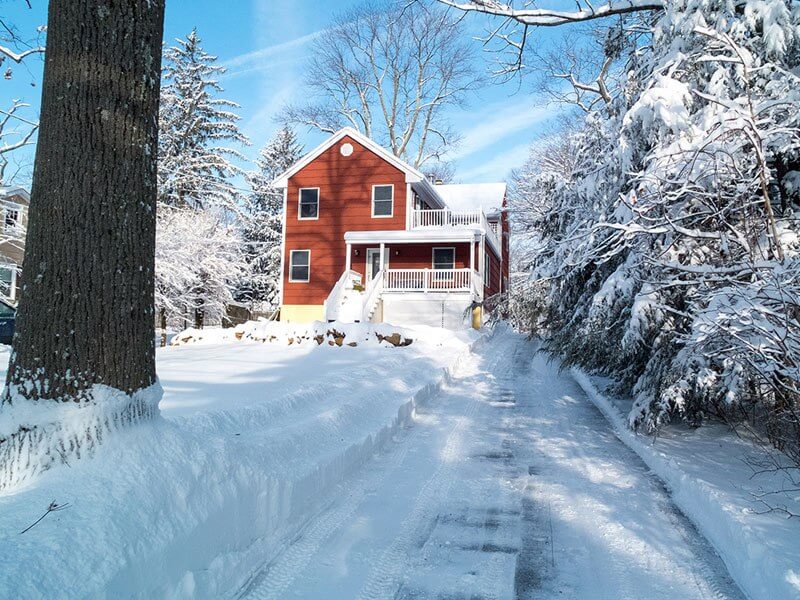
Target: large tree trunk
[(86, 315)]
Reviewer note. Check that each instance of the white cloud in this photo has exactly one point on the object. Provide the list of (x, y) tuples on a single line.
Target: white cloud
[(256, 56), (498, 121), (498, 168)]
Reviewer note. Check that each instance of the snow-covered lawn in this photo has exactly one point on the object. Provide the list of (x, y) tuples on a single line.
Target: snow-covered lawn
[(253, 440)]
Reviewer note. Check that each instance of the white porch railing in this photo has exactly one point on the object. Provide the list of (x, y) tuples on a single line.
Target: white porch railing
[(444, 217), (428, 280), (334, 300), (371, 295)]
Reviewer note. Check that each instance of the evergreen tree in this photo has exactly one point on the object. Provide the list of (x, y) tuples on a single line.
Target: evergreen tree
[(198, 132), (198, 135), (667, 255), (263, 229)]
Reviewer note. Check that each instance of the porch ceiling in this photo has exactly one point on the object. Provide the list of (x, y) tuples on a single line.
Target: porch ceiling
[(414, 236)]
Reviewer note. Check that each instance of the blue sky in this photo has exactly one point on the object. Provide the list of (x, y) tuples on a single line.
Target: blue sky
[(265, 45)]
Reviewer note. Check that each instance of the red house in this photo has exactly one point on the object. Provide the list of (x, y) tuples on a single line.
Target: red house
[(368, 238)]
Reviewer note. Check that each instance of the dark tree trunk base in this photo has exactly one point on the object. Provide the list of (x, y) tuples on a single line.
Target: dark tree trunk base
[(80, 428)]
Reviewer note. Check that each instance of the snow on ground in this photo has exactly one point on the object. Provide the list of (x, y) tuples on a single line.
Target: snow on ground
[(287, 472), (711, 474), (253, 441), (510, 485)]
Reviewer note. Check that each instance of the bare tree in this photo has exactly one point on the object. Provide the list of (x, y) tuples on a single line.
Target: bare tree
[(15, 132), (390, 69), (84, 361), (553, 17), (15, 47)]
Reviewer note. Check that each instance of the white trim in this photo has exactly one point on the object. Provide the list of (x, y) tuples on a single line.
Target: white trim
[(412, 174), (283, 242), (291, 256), (299, 205), (12, 292), (433, 255), (409, 202), (368, 265), (372, 209), (401, 236)]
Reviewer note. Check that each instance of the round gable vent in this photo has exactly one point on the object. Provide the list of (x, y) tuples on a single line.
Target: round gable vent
[(346, 149)]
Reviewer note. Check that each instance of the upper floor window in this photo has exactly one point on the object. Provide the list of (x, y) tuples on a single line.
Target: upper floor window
[(11, 220), (382, 200), (309, 203), (300, 266)]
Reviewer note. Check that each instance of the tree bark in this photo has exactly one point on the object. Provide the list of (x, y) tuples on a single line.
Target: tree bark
[(86, 315)]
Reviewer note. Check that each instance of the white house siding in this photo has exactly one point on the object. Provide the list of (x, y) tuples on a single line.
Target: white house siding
[(437, 310)]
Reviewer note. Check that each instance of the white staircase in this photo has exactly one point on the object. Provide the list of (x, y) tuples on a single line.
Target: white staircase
[(339, 303), (347, 304)]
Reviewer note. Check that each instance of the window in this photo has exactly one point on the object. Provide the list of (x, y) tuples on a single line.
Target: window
[(11, 218), (487, 270), (8, 281), (382, 200), (300, 266), (309, 203), (444, 258)]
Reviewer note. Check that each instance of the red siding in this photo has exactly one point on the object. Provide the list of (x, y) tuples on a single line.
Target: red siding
[(410, 256), (345, 204)]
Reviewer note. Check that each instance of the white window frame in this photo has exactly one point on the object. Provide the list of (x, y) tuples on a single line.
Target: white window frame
[(487, 270), (300, 216), (374, 187), (433, 255), (291, 266), (12, 292), (16, 209)]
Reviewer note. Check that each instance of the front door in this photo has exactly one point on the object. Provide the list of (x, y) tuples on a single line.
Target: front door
[(374, 261)]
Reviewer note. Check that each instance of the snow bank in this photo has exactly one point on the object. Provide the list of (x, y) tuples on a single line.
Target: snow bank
[(274, 332), (708, 475), (252, 441)]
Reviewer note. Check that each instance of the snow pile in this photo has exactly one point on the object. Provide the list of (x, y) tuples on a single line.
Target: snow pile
[(274, 332), (251, 441), (709, 475)]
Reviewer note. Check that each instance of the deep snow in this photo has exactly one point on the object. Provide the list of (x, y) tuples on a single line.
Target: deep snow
[(252, 441), (372, 472)]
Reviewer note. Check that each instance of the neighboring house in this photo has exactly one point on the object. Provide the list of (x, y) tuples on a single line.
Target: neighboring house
[(369, 238), (14, 202)]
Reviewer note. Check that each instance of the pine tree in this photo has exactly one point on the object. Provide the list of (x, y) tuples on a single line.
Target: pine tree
[(263, 230), (198, 132)]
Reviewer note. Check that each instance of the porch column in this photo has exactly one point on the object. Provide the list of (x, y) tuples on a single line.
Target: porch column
[(347, 260), (383, 256), (471, 257)]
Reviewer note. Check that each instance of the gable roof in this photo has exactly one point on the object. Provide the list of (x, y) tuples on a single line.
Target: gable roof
[(412, 174), (474, 196), (8, 191)]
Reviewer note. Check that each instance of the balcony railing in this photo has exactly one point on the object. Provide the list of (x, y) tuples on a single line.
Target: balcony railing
[(444, 217)]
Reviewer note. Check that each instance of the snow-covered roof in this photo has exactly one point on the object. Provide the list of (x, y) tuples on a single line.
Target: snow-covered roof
[(6, 191), (473, 196)]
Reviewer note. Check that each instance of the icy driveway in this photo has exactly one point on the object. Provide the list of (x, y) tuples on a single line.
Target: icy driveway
[(510, 485)]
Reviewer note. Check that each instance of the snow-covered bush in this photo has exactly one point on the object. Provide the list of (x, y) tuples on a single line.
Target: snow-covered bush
[(668, 250)]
